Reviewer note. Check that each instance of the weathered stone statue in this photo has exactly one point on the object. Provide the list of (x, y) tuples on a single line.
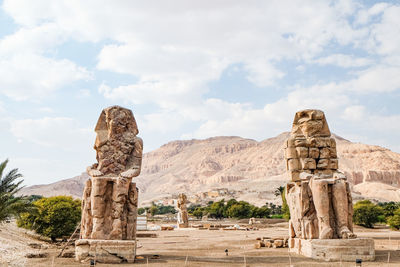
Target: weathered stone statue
[(109, 202), (318, 195), (183, 220)]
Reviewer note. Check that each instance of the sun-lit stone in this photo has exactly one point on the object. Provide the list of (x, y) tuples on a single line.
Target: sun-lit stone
[(109, 201), (320, 203)]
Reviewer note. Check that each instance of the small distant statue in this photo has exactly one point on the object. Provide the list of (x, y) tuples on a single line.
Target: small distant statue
[(252, 221), (183, 220), (318, 195)]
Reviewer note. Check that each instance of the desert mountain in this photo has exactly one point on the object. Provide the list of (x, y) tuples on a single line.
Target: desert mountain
[(224, 167)]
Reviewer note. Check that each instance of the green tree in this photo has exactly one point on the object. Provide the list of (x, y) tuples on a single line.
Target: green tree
[(216, 209), (389, 208), (262, 212), (240, 210), (141, 211), (192, 208), (281, 191), (54, 216), (11, 205), (161, 209), (198, 212), (394, 221), (153, 210), (366, 213), (230, 202)]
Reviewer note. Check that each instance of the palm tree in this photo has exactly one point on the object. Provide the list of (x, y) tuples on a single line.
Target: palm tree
[(279, 191), (11, 205)]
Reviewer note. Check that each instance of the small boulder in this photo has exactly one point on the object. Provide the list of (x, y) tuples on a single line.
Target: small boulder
[(278, 243), (35, 245), (36, 255)]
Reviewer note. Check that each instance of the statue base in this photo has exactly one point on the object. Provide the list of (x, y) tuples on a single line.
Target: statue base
[(105, 251), (334, 249)]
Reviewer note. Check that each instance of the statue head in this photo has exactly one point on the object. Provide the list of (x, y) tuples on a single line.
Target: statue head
[(310, 123), (115, 132)]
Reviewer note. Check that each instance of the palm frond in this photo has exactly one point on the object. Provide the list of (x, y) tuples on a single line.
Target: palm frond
[(2, 167)]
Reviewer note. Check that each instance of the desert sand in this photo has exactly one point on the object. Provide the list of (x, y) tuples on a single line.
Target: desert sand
[(193, 247)]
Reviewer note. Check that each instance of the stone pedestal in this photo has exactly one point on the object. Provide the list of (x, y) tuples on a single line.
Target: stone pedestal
[(105, 251), (334, 249)]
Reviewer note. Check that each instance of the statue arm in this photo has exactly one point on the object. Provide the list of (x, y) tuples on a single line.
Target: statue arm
[(135, 161), (93, 172)]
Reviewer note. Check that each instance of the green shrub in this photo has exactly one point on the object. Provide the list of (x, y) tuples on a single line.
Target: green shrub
[(367, 213), (198, 212), (54, 216), (277, 216), (394, 221), (141, 211)]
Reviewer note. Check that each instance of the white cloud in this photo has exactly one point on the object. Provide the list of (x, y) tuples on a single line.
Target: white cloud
[(385, 37), (377, 79), (58, 132), (195, 41), (354, 113), (345, 61), (176, 49), (27, 72), (29, 76), (364, 16), (40, 39)]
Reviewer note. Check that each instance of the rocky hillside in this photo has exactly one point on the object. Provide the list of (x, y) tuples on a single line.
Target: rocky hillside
[(224, 167)]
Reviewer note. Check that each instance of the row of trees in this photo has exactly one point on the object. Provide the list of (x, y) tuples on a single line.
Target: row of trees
[(157, 209), (235, 209), (367, 214)]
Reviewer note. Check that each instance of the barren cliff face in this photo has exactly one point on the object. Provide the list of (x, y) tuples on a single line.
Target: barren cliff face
[(252, 170)]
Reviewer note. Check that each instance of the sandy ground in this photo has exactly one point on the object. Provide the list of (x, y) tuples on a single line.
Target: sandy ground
[(193, 247)]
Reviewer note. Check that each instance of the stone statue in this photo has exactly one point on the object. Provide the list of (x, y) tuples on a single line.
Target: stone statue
[(319, 197), (109, 202), (183, 221)]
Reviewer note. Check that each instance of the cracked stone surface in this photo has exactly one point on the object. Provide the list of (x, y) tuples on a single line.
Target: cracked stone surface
[(318, 195), (110, 198)]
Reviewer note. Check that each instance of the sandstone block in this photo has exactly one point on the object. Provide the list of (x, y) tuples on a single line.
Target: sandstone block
[(294, 175), (324, 153), (293, 164), (334, 249), (333, 142), (290, 142), (300, 142), (313, 152), (106, 251), (291, 153), (278, 243), (333, 152), (324, 172), (302, 152), (308, 164), (334, 164), (323, 164), (322, 142)]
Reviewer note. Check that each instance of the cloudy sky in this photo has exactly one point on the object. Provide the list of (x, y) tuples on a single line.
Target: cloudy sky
[(191, 69)]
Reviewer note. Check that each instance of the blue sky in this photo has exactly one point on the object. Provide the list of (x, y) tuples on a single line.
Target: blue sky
[(191, 69)]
